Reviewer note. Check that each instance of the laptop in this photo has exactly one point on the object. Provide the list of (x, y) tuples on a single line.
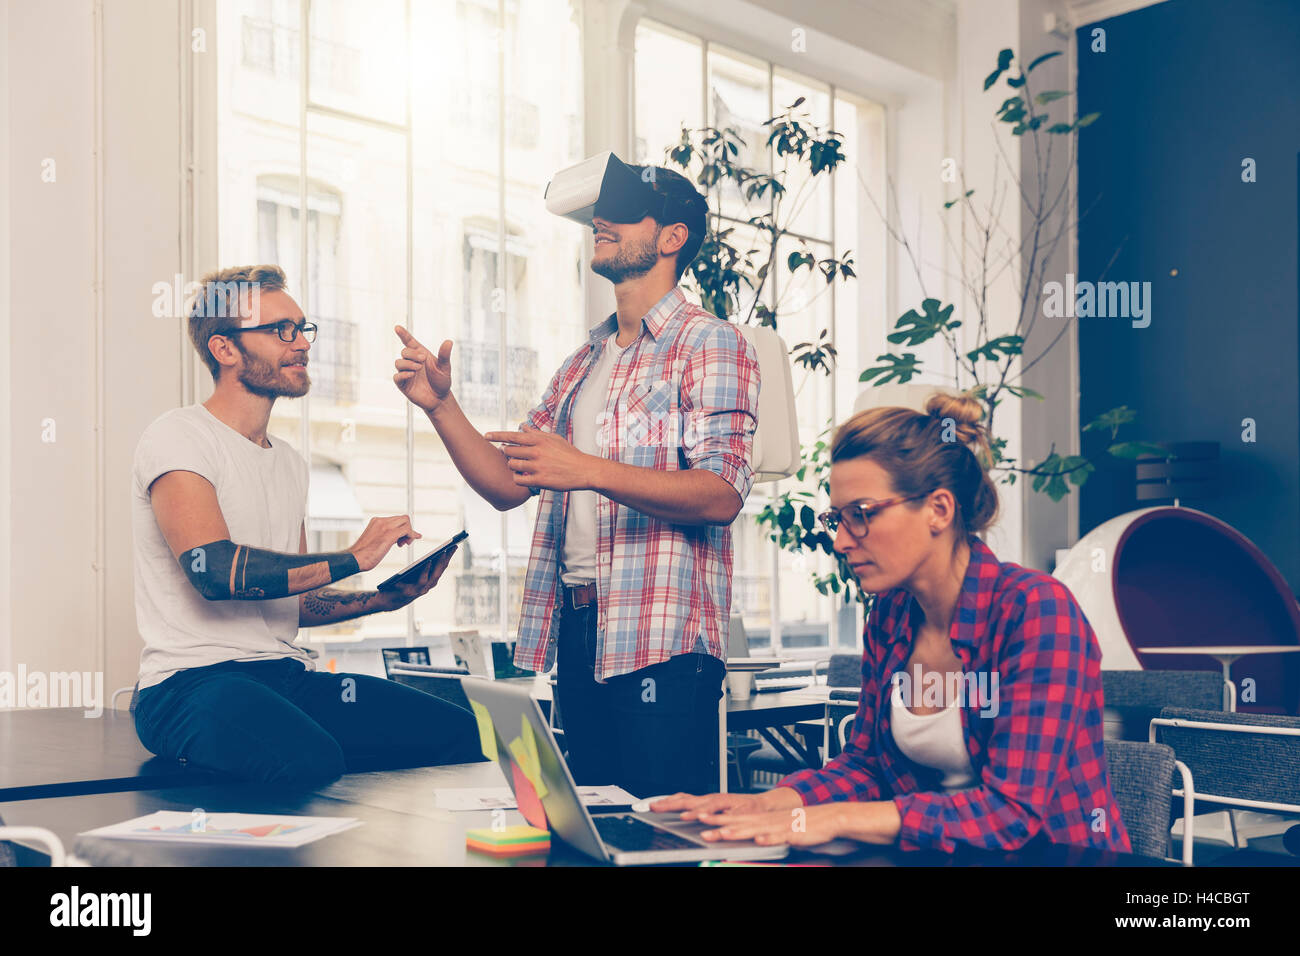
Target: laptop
[(624, 839)]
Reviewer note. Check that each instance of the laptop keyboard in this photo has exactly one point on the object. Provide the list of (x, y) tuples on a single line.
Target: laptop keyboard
[(633, 835)]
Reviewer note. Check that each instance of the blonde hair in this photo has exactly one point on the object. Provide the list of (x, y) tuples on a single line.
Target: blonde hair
[(217, 303), (946, 446)]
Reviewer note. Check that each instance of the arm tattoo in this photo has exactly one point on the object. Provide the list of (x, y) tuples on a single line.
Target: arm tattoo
[(326, 603), (224, 571)]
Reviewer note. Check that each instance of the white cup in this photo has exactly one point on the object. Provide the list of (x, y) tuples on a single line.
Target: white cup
[(741, 684)]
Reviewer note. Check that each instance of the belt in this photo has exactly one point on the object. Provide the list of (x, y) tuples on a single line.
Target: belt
[(580, 596)]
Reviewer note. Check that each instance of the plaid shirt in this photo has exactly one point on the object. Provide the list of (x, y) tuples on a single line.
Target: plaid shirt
[(1035, 745), (683, 395)]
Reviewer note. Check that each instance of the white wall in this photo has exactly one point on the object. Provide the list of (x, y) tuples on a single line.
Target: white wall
[(50, 56), (64, 616), (6, 459)]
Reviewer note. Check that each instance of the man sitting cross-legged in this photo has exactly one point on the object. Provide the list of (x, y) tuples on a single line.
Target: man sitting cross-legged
[(223, 580)]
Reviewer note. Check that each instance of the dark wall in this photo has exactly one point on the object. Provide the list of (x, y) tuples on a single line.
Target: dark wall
[(1187, 89)]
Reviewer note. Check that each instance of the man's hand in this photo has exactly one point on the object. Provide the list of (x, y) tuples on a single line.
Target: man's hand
[(422, 377), (545, 460), (403, 594), (379, 537)]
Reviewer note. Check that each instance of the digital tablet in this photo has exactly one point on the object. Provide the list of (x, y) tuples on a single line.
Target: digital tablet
[(413, 570)]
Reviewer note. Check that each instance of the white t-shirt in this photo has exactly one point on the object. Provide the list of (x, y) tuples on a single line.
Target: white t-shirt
[(580, 521), (933, 740), (263, 497)]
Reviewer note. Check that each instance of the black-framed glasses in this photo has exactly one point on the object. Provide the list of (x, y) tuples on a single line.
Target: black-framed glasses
[(286, 328), (857, 515)]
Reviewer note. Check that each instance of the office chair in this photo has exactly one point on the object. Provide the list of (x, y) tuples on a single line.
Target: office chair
[(1142, 779), (1234, 760)]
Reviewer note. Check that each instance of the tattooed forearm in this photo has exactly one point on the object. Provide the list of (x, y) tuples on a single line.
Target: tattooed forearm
[(328, 606)]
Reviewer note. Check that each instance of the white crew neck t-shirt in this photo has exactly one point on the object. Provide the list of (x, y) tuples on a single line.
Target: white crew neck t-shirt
[(263, 497), (580, 520), (933, 740)]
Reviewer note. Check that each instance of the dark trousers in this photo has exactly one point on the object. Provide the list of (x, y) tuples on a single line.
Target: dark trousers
[(652, 731), (277, 722)]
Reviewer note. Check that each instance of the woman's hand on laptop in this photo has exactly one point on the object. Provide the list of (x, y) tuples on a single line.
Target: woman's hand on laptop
[(694, 807), (797, 826)]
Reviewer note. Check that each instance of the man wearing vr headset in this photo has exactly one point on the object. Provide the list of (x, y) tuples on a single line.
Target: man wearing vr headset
[(640, 451)]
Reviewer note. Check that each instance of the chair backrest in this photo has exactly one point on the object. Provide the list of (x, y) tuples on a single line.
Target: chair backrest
[(6, 852), (737, 639), (845, 670), (1142, 780), (1259, 762), (776, 439), (1132, 698), (407, 655)]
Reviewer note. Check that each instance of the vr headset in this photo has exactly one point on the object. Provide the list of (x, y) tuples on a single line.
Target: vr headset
[(604, 186)]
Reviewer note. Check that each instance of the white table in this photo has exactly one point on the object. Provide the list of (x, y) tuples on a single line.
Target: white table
[(1225, 654)]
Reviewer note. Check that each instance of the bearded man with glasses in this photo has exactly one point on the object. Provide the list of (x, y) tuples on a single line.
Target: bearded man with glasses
[(223, 580)]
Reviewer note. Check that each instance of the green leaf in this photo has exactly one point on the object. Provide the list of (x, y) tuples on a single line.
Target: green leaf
[(1002, 345), (1086, 120), (1048, 96), (1060, 128), (1015, 82), (797, 259), (913, 328), (1135, 449), (1010, 102), (1111, 419), (902, 369), (1045, 56), (807, 518), (1019, 391)]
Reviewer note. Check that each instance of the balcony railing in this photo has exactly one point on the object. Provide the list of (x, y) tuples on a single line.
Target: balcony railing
[(273, 48), (474, 111), (478, 598), (333, 365), (477, 390)]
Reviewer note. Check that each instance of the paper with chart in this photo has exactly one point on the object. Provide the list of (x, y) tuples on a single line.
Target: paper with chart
[(226, 829)]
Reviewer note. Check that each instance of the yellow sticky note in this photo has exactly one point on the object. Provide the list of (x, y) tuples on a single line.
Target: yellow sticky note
[(530, 745), (528, 765), (487, 736)]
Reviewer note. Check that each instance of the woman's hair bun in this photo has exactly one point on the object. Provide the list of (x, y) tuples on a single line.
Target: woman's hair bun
[(967, 415)]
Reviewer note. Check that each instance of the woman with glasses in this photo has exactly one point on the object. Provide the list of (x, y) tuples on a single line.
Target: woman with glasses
[(980, 717)]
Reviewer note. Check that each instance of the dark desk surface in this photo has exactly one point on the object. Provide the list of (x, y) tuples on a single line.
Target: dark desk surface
[(62, 752), (400, 826)]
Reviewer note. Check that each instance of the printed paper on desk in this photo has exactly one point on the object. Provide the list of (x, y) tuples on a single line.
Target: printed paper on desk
[(226, 829)]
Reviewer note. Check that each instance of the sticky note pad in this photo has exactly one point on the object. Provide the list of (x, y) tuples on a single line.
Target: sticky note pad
[(487, 735), (510, 841)]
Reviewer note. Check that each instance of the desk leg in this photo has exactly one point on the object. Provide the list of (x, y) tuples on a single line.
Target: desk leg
[(722, 742)]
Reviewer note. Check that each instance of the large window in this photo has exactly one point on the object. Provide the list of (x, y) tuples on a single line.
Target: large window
[(687, 81), (423, 208)]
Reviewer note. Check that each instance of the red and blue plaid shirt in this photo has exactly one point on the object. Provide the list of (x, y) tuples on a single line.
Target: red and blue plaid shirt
[(1035, 745), (683, 395)]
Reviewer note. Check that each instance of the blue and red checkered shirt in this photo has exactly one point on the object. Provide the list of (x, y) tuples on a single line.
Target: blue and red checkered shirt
[(1035, 746), (683, 395)]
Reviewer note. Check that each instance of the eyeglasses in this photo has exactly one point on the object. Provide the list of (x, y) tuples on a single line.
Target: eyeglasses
[(288, 330), (857, 516)]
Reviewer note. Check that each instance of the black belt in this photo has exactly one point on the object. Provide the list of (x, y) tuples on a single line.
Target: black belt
[(577, 597)]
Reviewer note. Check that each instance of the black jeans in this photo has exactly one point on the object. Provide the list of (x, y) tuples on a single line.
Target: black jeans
[(275, 721), (652, 731)]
